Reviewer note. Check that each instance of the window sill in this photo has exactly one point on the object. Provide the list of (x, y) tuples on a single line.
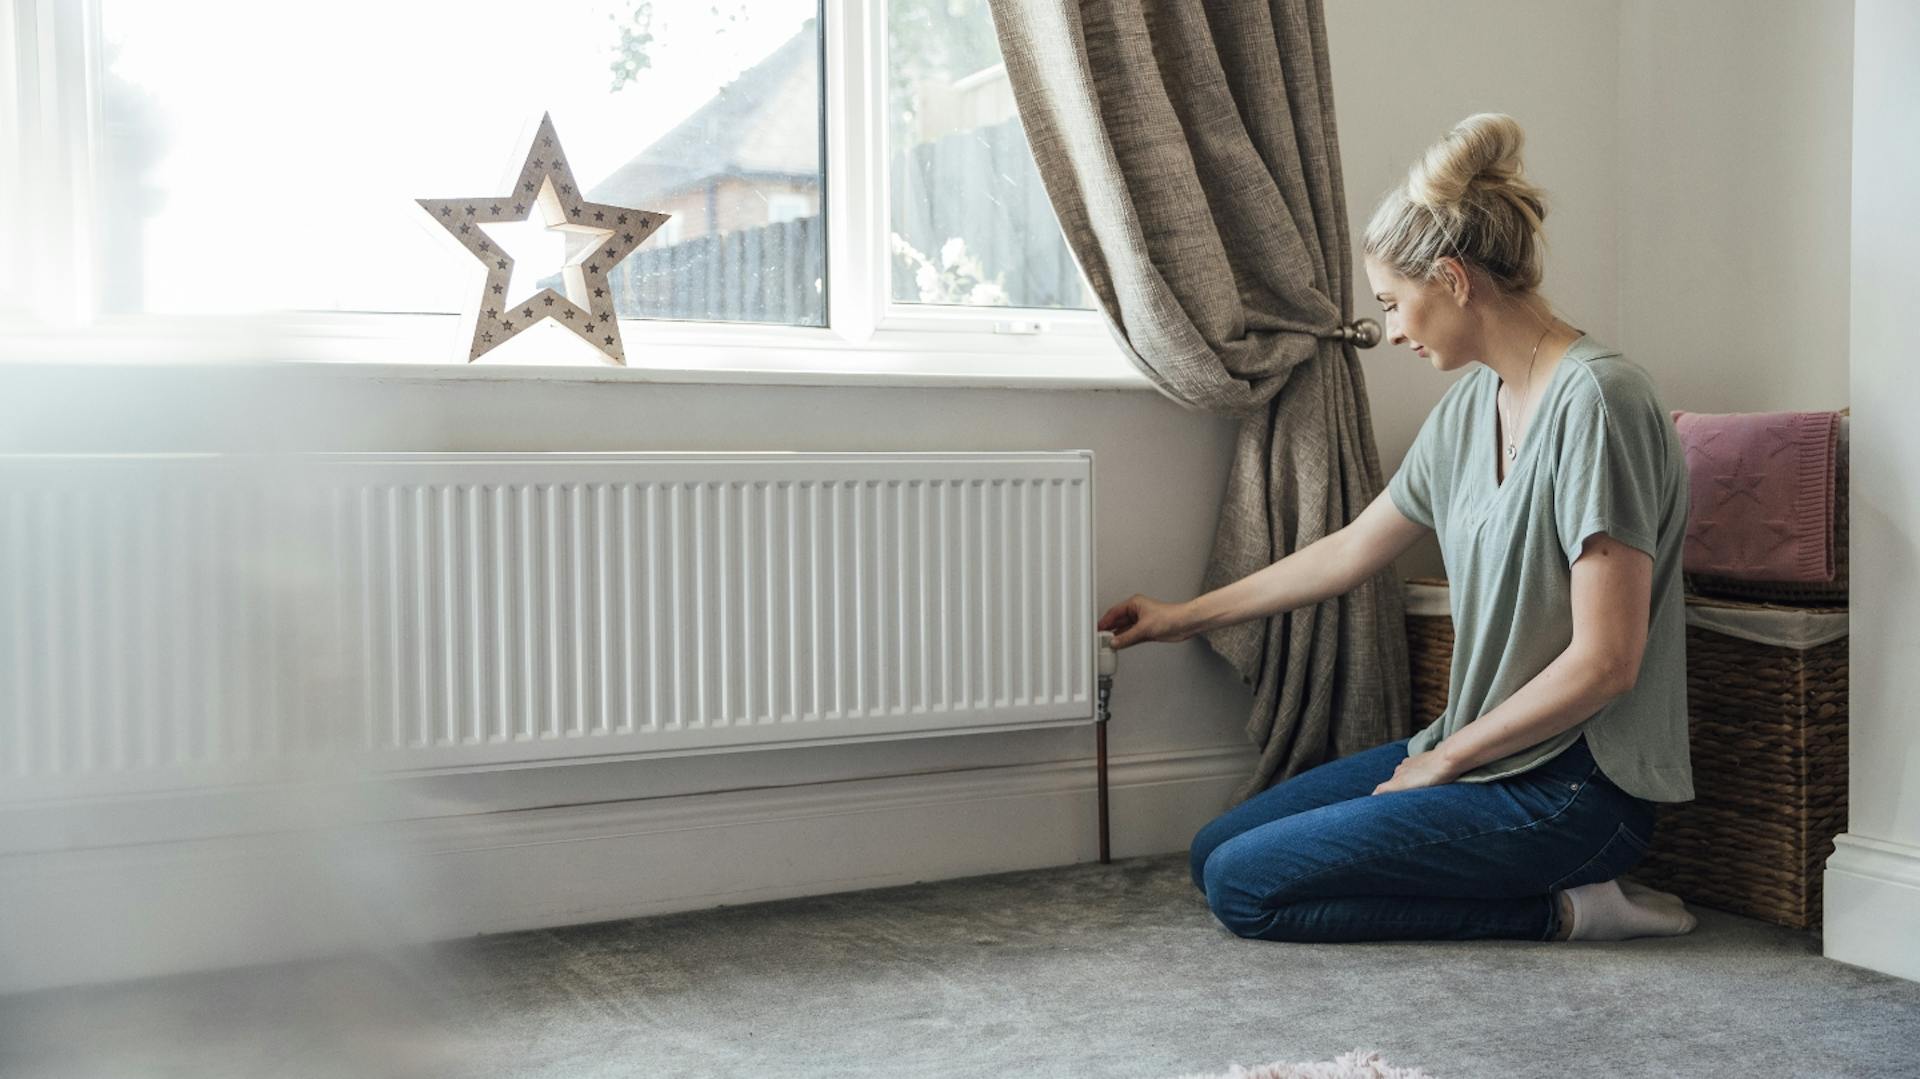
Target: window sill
[(420, 347)]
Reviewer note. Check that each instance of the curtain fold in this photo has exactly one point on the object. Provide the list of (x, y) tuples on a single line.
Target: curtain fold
[(1190, 152)]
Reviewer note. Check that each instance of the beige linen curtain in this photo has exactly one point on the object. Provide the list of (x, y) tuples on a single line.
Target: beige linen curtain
[(1189, 150)]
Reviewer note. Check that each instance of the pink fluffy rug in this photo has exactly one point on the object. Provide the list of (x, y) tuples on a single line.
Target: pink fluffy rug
[(1359, 1064)]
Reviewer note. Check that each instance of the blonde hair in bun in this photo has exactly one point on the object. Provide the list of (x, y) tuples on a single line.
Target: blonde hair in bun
[(1466, 197)]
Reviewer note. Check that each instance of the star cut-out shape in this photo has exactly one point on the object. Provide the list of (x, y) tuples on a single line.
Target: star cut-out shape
[(1780, 435), (1737, 485), (1700, 446), (587, 295), (1755, 548)]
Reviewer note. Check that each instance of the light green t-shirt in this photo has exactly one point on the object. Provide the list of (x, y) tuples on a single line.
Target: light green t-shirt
[(1599, 455)]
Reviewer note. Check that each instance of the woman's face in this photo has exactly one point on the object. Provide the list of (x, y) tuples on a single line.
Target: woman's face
[(1423, 316)]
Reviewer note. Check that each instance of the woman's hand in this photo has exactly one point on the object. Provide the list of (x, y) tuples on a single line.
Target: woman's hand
[(1138, 618), (1427, 769)]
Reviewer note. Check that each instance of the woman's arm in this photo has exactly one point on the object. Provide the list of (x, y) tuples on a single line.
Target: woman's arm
[(1612, 595), (1327, 567)]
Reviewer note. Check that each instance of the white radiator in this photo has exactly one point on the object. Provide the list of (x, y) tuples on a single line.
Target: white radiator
[(172, 621)]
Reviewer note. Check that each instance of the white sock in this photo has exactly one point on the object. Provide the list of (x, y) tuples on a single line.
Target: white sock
[(1640, 893), (1603, 912)]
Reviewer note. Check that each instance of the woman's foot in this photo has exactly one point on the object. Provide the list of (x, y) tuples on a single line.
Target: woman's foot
[(1604, 911), (1640, 893)]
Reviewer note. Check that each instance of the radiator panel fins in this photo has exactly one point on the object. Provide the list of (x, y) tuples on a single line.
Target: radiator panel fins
[(164, 620)]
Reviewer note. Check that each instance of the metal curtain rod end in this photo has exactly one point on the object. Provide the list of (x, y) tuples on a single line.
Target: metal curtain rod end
[(1363, 332)]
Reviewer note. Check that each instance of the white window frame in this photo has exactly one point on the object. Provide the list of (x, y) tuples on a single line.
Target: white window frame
[(870, 339)]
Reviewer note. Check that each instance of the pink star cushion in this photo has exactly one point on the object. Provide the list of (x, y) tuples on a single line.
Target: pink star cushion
[(1762, 486)]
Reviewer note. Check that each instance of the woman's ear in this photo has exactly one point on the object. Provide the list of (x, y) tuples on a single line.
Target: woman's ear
[(1459, 285)]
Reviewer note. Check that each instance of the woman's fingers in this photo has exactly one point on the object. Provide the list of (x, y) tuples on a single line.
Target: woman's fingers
[(1137, 619)]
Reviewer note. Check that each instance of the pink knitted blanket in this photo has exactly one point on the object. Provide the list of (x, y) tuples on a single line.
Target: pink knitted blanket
[(1762, 485)]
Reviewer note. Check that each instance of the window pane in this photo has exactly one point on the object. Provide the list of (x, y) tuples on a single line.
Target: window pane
[(971, 222), (240, 175)]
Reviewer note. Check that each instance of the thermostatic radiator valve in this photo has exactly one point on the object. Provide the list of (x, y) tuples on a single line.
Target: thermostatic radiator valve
[(1109, 662)]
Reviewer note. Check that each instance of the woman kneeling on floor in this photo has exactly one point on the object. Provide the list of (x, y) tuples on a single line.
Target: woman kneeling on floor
[(1553, 478)]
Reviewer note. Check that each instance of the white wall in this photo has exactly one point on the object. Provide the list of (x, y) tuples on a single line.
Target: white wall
[(1733, 208), (1873, 879)]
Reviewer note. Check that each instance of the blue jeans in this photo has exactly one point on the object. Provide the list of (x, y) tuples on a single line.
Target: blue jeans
[(1320, 858)]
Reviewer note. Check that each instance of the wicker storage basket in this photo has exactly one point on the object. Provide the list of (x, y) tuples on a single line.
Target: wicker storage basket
[(1769, 749)]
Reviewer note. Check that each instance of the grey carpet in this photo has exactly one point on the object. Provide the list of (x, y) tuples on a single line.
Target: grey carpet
[(1087, 970)]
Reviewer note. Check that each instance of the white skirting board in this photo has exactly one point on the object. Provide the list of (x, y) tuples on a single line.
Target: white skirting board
[(116, 913), (1872, 905)]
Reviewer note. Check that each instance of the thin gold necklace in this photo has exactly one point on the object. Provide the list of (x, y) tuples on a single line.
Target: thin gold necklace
[(1512, 435)]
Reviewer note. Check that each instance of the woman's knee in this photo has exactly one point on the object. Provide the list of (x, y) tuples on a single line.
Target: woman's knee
[(1205, 842), (1229, 900)]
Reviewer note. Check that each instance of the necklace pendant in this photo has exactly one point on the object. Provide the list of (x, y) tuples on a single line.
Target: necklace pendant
[(1511, 451)]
